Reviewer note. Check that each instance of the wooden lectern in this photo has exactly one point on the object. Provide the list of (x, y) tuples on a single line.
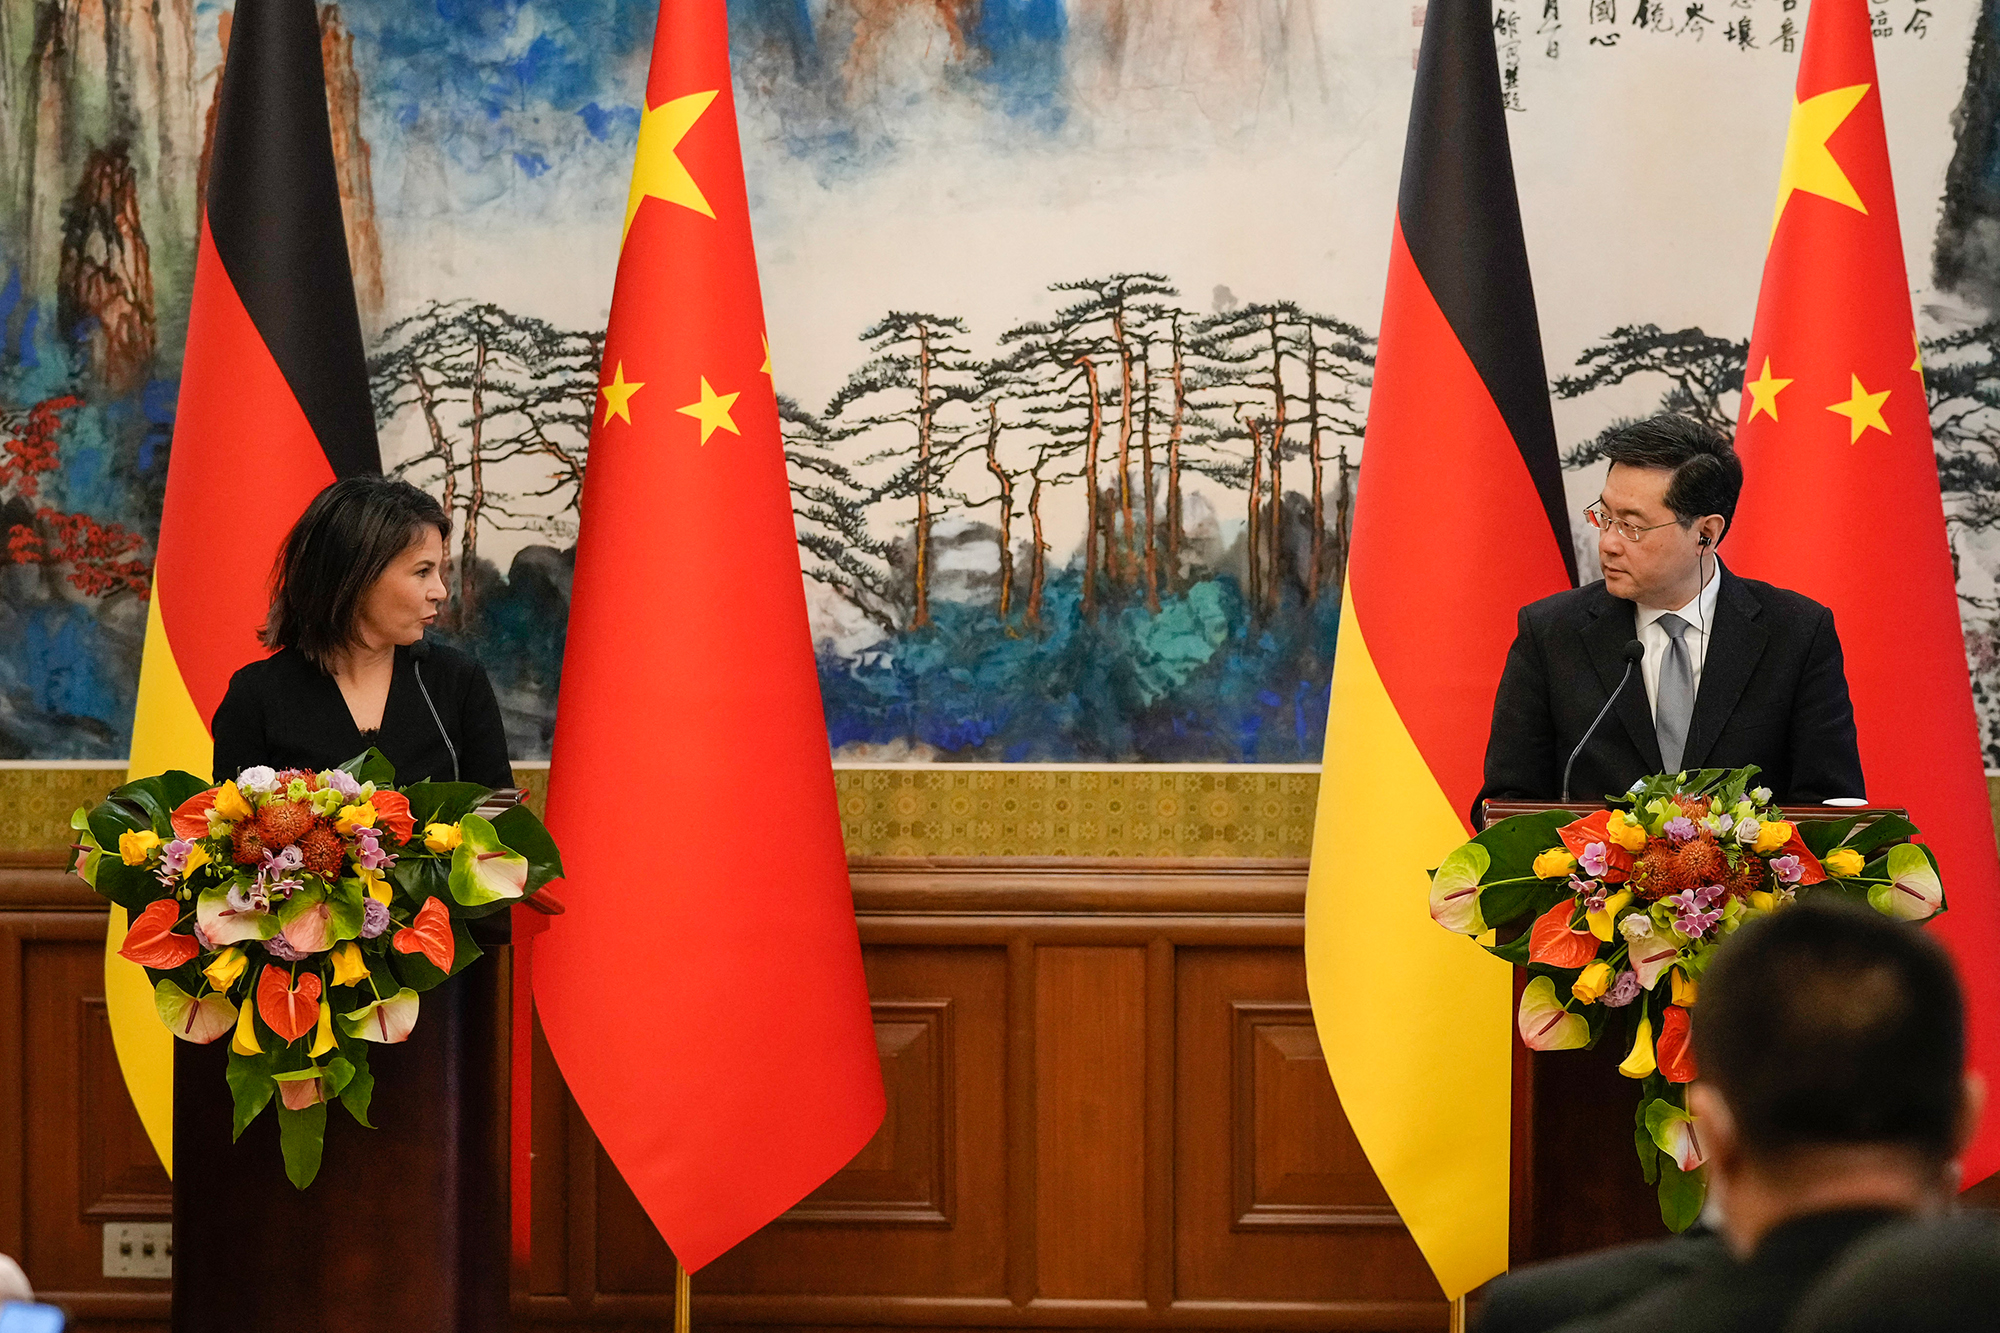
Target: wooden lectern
[(1575, 1173)]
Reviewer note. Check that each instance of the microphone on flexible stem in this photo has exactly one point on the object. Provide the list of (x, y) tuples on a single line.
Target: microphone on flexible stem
[(420, 652), (1634, 651)]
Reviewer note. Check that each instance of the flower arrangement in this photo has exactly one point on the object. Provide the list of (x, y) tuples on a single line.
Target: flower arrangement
[(303, 915), (1619, 913)]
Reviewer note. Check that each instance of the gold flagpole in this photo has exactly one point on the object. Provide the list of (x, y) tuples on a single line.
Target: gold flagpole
[(1458, 1315), (681, 1298)]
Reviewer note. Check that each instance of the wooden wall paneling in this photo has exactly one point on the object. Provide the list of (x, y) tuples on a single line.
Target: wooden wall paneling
[(1090, 1113), (1023, 1259), (1160, 1071), (921, 1212), (13, 1093), (119, 1176), (548, 1170), (1273, 1195)]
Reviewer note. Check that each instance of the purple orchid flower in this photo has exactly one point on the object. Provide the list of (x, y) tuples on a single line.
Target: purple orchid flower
[(368, 850), (1695, 910), (256, 899), (1788, 869), (374, 918), (1594, 860)]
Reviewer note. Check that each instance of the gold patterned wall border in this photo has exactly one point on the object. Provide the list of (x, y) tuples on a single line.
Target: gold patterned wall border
[(35, 803), (919, 811)]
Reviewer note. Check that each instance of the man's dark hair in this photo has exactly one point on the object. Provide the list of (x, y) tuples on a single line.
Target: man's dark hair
[(335, 552), (1829, 1023), (1708, 477)]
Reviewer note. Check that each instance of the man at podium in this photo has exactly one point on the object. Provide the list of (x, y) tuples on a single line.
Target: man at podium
[(1670, 661)]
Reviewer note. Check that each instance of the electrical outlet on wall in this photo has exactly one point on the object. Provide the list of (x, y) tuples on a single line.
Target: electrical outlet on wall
[(139, 1249)]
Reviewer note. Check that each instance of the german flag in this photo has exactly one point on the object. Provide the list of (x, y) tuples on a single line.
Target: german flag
[(274, 406), (1459, 520)]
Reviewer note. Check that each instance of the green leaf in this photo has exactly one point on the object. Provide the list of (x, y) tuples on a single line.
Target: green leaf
[(1514, 951), (339, 1073), (250, 1082), (1516, 841), (302, 1136), (1642, 1140), (156, 798), (360, 1088), (1823, 835), (443, 802), (346, 898), (371, 766), (520, 830), (1885, 830), (423, 878), (1521, 902), (131, 887), (420, 973), (1681, 1194)]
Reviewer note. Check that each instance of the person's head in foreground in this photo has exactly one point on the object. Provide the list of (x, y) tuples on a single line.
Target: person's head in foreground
[(1831, 1044), (1668, 497), (363, 569)]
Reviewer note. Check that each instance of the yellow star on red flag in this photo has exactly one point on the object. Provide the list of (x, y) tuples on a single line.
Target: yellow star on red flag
[(1763, 393), (618, 395), (712, 411), (1809, 163), (1863, 410), (657, 170)]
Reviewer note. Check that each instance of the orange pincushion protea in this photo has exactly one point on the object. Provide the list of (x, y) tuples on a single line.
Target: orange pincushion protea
[(282, 823), (1665, 869), (320, 850)]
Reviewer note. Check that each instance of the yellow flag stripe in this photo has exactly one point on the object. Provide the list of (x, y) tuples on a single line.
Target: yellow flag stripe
[(1414, 1020), (167, 733)]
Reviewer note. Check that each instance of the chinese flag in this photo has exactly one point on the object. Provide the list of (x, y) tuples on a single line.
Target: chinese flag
[(1424, 1069), (274, 406), (1840, 496), (703, 994)]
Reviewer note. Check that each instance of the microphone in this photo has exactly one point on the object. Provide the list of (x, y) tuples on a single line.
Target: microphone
[(1634, 651), (420, 652)]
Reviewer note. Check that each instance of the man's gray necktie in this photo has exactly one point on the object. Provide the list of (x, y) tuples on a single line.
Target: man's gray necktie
[(1675, 704)]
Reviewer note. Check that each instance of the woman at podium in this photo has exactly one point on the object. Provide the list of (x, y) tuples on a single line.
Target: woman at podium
[(405, 1227)]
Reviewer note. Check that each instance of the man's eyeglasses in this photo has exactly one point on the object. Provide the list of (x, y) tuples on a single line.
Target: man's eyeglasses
[(1600, 518)]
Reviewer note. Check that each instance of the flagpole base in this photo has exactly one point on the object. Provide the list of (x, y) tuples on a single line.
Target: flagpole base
[(681, 1300), (1458, 1315)]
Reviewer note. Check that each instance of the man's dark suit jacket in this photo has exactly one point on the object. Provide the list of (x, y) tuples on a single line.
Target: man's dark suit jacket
[(1544, 1296), (1755, 1296), (1773, 692)]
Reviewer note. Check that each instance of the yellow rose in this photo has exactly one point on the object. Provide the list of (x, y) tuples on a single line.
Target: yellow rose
[(1684, 989), (229, 803), (245, 1040), (354, 817), (1605, 918), (1590, 986), (1554, 863), (1640, 1062), (197, 857), (1843, 862), (135, 846), (348, 965), (1763, 900), (228, 966), (1625, 831), (323, 1035), (1772, 835), (444, 837)]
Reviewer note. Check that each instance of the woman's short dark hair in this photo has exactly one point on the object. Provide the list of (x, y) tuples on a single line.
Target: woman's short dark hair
[(1707, 475), (335, 552)]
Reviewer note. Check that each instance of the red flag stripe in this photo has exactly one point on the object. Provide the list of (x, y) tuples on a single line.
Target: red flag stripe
[(1451, 538)]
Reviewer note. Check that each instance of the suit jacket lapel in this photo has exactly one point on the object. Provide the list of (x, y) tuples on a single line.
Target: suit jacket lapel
[(1611, 626), (1734, 648)]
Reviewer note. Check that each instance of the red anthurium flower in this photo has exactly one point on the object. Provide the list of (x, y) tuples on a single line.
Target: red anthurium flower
[(1673, 1049), (1594, 831), (150, 940), (392, 814), (191, 819), (291, 1010), (430, 935), (1552, 943), (1814, 871)]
